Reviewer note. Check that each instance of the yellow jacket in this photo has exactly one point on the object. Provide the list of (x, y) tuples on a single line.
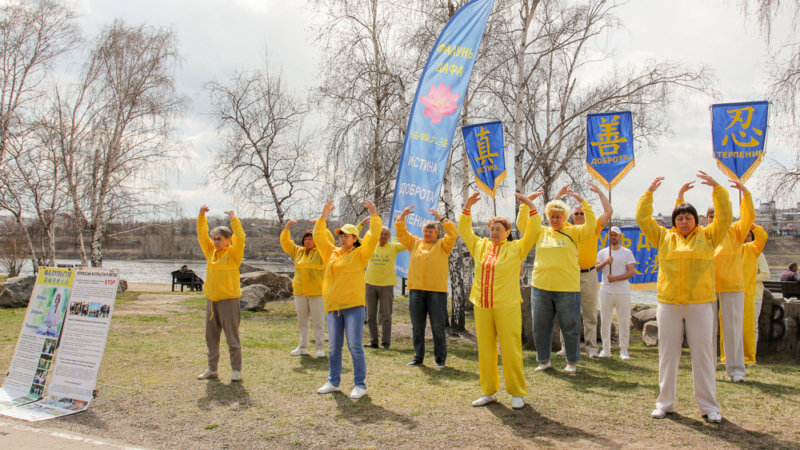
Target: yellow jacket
[(556, 267), (380, 271), (309, 266), (496, 280), (728, 256), (428, 266), (686, 265), (222, 267), (750, 253), (343, 284), (587, 250)]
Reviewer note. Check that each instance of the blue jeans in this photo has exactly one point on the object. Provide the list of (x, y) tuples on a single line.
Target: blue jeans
[(546, 305), (348, 322), (421, 305)]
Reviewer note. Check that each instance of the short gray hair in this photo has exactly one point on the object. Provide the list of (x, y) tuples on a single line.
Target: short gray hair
[(222, 231)]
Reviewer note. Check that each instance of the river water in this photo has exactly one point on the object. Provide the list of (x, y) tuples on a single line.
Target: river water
[(160, 272)]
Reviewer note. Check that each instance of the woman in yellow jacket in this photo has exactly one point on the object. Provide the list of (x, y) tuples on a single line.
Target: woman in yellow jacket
[(496, 296), (343, 295), (309, 269), (428, 269), (685, 295), (223, 251), (751, 251)]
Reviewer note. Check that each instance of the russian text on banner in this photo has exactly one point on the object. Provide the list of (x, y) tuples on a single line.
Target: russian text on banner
[(646, 255), (739, 131), (33, 357), (609, 146), (484, 143), (434, 117)]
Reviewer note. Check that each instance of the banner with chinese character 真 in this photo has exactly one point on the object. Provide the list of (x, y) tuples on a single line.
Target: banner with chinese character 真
[(646, 255), (739, 131), (609, 146), (484, 142), (434, 117)]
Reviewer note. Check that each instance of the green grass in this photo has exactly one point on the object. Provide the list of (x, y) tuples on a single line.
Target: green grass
[(606, 404)]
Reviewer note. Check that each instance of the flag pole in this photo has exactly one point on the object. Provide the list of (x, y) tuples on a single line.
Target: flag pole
[(608, 234), (494, 202)]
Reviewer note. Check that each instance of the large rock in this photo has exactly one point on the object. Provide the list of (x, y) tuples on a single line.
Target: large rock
[(642, 316), (247, 268), (779, 327), (650, 333), (123, 286), (280, 286), (254, 297), (639, 306), (16, 292)]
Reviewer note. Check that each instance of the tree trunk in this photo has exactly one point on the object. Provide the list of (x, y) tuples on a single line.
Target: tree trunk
[(97, 246)]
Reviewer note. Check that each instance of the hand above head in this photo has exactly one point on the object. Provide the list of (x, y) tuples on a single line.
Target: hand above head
[(204, 209), (577, 196), (328, 208), (736, 184), (528, 199), (655, 184), (536, 194), (370, 207), (435, 213), (563, 191), (365, 221), (594, 187), (409, 210), (313, 221), (707, 180), (290, 223), (472, 200), (686, 187), (231, 214)]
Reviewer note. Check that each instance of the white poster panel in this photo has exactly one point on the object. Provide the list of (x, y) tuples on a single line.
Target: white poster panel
[(80, 353), (33, 358)]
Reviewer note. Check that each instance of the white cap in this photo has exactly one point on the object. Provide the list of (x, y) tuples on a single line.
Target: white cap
[(615, 230)]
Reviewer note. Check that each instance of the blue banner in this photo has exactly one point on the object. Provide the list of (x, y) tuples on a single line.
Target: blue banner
[(646, 257), (434, 117), (484, 142), (739, 131), (609, 146)]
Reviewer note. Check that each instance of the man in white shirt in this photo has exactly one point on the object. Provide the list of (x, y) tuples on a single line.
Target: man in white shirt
[(615, 291)]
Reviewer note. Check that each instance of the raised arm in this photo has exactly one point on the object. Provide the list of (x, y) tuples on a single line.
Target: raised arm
[(465, 225), (533, 226), (760, 238), (330, 235), (287, 245), (747, 211), (408, 240), (607, 209), (206, 244), (723, 212), (587, 230), (644, 215), (373, 235), (238, 237), (324, 246), (686, 187), (450, 231)]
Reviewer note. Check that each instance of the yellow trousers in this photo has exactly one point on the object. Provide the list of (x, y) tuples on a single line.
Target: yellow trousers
[(748, 332), (505, 325)]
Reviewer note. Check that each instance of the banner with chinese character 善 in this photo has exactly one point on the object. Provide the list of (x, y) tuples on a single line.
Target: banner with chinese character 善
[(609, 146), (484, 142), (739, 131), (434, 117), (646, 256)]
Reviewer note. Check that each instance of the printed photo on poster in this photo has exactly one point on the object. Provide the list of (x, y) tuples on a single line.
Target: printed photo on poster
[(48, 310)]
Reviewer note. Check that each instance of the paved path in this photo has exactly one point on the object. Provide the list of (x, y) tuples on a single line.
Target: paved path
[(15, 434)]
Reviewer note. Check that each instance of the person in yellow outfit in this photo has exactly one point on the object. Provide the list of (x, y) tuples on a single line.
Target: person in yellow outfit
[(496, 296), (223, 251), (343, 295), (428, 269), (729, 282), (309, 270), (753, 246), (556, 279), (686, 295), (381, 280)]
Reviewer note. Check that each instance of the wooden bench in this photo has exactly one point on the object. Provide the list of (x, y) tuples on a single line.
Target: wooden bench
[(188, 279), (787, 289)]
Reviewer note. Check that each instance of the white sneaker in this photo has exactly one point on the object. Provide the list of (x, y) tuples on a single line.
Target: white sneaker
[(208, 374), (562, 352), (714, 417), (517, 402), (604, 354), (440, 365), (543, 366), (299, 352), (623, 353), (658, 414), (358, 392), (571, 368), (237, 376), (320, 353), (737, 379), (328, 388), (485, 400)]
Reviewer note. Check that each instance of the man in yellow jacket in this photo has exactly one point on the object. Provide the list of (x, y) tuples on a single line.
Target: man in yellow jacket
[(729, 282), (753, 246), (223, 251), (343, 295), (686, 295)]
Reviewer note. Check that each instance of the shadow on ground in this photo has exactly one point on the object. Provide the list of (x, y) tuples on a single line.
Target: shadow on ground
[(527, 423), (734, 434)]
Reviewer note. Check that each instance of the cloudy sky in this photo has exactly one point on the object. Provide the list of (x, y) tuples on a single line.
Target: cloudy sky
[(219, 37)]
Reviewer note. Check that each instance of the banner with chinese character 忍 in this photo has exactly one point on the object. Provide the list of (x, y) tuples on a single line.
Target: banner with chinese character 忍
[(434, 117), (646, 256), (484, 143), (609, 146), (739, 131)]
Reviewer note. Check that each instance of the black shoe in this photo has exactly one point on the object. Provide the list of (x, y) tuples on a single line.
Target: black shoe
[(414, 363), (371, 345), (385, 346)]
